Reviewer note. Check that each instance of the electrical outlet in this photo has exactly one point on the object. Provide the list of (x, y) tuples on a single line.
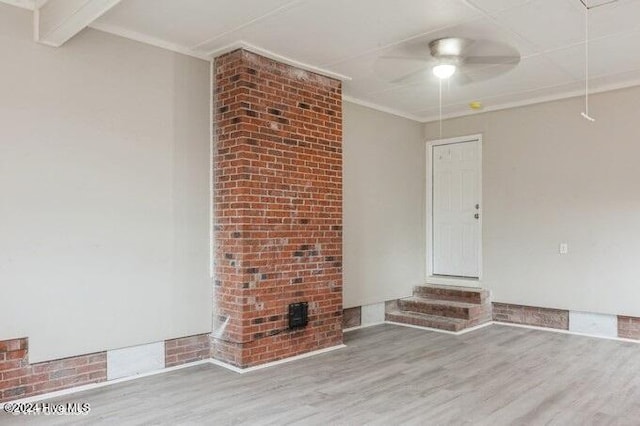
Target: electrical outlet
[(564, 248)]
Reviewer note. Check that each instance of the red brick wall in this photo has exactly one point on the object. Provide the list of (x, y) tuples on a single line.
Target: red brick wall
[(629, 327), (278, 208), (186, 349), (19, 379), (530, 315)]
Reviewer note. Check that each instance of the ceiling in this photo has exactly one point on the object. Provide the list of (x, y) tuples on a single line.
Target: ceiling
[(347, 38)]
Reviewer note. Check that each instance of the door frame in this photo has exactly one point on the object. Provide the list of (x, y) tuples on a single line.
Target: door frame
[(441, 279)]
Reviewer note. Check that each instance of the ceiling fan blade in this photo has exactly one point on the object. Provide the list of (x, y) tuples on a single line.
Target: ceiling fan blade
[(462, 78), (492, 60), (406, 58), (469, 45), (408, 77)]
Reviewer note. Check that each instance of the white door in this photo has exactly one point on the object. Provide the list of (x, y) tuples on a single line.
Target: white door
[(456, 209)]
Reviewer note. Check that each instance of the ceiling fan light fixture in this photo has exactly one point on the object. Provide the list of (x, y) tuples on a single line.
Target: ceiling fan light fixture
[(444, 71)]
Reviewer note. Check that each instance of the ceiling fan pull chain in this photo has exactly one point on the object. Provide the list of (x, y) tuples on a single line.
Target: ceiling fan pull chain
[(585, 114), (440, 106)]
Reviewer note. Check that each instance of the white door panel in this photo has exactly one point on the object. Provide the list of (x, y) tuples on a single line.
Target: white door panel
[(456, 193)]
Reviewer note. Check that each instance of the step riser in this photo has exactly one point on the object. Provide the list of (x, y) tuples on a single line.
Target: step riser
[(440, 310), (452, 295), (421, 322)]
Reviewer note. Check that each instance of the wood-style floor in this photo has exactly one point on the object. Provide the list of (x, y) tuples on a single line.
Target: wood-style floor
[(390, 375)]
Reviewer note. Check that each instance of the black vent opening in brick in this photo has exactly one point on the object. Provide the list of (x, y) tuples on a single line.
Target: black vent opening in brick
[(298, 315)]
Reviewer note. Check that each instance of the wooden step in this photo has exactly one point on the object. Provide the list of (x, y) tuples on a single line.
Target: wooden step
[(474, 295), (443, 308), (422, 320)]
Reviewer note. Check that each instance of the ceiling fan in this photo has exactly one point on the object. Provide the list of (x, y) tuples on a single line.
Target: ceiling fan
[(459, 59)]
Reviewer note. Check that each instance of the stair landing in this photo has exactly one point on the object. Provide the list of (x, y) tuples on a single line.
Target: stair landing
[(442, 307)]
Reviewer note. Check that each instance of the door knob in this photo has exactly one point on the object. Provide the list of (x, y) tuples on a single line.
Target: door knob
[(477, 216), (477, 206)]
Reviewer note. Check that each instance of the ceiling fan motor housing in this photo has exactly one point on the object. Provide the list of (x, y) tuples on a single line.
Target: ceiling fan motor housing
[(448, 47)]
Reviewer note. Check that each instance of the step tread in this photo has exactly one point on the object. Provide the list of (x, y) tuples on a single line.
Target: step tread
[(440, 302)]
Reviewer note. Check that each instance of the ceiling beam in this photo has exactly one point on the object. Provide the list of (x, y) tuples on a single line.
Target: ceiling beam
[(25, 4), (58, 21)]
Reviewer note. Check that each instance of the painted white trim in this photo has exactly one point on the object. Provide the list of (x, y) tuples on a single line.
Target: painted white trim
[(531, 327), (392, 111), (227, 366), (430, 278), (22, 4), (454, 281), (207, 56), (240, 44), (91, 386), (143, 38), (64, 20), (437, 330), (360, 327), (174, 47), (535, 100), (557, 330), (274, 363)]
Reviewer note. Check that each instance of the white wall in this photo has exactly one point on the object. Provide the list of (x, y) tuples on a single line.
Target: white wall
[(384, 197), (104, 176), (550, 177)]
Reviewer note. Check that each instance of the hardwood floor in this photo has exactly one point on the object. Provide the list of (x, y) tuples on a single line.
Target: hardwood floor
[(392, 375)]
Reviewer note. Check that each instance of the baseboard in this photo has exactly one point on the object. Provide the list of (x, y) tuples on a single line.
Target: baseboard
[(360, 327), (561, 331), (437, 330), (274, 363), (508, 324), (92, 386), (235, 369)]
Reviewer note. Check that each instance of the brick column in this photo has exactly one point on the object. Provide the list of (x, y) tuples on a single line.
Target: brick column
[(278, 209)]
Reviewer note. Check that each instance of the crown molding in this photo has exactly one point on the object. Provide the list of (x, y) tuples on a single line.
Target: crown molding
[(240, 44), (381, 108), (536, 100), (208, 56), (142, 38)]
